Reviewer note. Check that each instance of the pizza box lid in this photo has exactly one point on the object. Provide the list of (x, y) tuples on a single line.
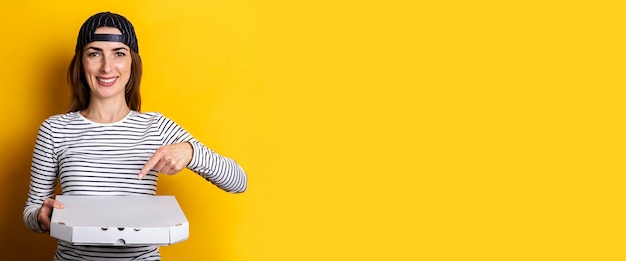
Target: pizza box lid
[(119, 220)]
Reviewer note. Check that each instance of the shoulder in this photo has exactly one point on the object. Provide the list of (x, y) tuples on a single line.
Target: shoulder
[(65, 121), (62, 119), (146, 115), (68, 116)]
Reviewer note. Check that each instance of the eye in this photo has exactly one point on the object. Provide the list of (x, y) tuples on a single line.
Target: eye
[(93, 54), (120, 54)]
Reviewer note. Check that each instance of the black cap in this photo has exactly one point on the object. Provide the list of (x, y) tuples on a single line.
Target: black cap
[(86, 34)]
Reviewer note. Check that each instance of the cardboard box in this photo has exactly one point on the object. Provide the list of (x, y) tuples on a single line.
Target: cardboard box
[(119, 220)]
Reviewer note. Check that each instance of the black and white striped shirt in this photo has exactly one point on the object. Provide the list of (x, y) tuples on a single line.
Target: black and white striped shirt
[(99, 159)]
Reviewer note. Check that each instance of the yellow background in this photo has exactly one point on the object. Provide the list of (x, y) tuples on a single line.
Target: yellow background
[(389, 130)]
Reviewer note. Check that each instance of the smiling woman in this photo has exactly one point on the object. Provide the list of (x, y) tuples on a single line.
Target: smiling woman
[(95, 62), (104, 146), (107, 66)]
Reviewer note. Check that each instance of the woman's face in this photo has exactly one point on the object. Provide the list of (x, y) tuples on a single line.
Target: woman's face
[(107, 66)]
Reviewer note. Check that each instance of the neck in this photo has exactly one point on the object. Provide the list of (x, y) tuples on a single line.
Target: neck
[(105, 115)]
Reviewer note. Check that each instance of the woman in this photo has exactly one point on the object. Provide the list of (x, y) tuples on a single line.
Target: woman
[(104, 145)]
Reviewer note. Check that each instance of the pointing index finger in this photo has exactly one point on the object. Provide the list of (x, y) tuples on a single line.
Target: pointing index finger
[(151, 162)]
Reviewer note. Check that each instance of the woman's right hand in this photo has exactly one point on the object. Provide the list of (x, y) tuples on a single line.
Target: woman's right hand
[(45, 213)]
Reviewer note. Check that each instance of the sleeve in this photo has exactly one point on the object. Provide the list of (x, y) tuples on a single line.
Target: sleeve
[(223, 172), (42, 176)]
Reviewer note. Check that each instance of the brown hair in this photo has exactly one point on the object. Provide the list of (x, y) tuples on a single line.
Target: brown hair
[(80, 89)]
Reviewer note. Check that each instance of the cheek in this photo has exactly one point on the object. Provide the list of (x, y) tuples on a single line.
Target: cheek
[(89, 68), (124, 68)]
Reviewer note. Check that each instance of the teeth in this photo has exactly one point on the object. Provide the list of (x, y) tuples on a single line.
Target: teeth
[(107, 80)]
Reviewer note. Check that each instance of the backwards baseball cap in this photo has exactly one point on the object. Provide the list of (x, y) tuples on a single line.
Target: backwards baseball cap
[(107, 19)]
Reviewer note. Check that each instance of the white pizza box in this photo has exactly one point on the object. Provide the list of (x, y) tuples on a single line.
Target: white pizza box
[(119, 220)]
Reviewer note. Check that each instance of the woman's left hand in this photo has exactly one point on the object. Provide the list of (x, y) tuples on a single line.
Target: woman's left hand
[(169, 159)]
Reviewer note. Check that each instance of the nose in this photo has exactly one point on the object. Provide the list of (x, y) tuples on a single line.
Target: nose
[(105, 67)]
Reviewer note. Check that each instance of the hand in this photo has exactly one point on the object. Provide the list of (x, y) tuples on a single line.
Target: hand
[(45, 212), (169, 159)]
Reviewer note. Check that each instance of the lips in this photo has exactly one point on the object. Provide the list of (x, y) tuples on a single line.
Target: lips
[(106, 81)]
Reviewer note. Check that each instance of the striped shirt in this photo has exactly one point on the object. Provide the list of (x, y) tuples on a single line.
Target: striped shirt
[(101, 159)]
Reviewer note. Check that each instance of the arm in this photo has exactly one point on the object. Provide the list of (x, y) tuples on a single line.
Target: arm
[(42, 180), (223, 172), (219, 170)]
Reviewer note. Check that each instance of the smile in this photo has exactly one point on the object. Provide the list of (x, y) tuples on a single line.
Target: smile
[(106, 80)]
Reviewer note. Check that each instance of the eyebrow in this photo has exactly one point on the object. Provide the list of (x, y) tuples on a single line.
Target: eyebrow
[(114, 49)]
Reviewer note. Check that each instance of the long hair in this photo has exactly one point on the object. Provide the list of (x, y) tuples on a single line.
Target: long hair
[(80, 89)]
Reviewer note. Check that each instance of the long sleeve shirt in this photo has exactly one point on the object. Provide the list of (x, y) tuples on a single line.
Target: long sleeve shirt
[(104, 159)]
